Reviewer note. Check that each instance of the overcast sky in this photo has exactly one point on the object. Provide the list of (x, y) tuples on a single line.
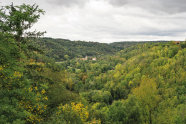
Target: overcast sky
[(111, 20)]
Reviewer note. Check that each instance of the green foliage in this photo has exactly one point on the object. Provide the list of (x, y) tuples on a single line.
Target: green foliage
[(151, 74), (98, 96), (23, 97), (71, 114), (63, 49), (17, 19), (126, 112), (11, 81)]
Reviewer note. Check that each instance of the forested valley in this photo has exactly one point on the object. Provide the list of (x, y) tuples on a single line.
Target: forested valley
[(57, 81)]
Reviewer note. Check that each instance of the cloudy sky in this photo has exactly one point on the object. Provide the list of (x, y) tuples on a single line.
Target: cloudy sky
[(111, 20)]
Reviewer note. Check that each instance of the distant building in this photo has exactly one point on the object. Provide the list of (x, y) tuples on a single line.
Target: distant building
[(86, 58), (94, 59), (177, 42)]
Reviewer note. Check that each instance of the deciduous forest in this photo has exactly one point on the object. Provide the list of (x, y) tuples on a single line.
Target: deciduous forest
[(49, 81)]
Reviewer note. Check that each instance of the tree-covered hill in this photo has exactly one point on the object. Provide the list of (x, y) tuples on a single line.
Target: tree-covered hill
[(142, 84), (63, 49)]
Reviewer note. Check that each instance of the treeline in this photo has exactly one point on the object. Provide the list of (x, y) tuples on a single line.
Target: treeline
[(63, 49)]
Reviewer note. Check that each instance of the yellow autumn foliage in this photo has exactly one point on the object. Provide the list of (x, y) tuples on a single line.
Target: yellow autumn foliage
[(43, 91), (79, 109), (17, 74), (1, 68)]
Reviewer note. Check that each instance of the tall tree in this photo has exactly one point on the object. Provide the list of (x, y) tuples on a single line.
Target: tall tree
[(22, 98), (147, 94), (18, 19)]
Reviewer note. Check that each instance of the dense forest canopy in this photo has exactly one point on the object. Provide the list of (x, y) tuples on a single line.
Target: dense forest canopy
[(128, 83), (64, 49)]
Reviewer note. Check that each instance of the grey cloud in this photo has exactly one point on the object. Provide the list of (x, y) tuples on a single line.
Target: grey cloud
[(67, 3), (119, 2), (167, 6), (173, 6)]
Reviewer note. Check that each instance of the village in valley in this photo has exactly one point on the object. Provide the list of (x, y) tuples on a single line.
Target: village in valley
[(88, 58)]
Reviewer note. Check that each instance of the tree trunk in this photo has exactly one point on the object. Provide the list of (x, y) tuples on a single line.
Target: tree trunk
[(150, 118)]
